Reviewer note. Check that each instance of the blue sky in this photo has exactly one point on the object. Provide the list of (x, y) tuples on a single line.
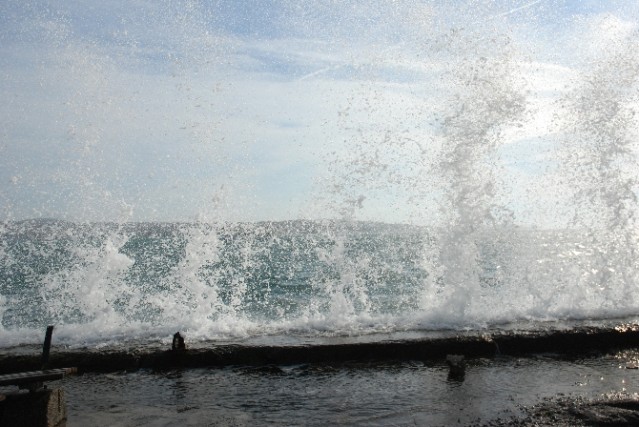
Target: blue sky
[(255, 110)]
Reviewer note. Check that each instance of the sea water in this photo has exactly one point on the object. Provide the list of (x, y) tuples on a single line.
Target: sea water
[(462, 165), (107, 283), (315, 170), (366, 394)]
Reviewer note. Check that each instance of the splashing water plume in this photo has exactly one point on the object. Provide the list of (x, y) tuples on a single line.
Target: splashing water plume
[(313, 170)]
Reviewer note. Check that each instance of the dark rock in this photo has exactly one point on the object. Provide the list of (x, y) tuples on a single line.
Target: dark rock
[(178, 342), (457, 367), (615, 413)]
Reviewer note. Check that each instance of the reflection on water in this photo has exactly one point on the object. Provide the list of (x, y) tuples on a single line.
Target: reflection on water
[(411, 393)]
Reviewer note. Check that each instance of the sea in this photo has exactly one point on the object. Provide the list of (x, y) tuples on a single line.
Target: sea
[(132, 285), (107, 283), (447, 168)]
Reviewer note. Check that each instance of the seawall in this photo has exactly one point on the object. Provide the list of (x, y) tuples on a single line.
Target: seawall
[(579, 341)]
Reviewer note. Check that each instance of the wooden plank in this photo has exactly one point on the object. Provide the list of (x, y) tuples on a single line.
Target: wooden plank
[(21, 378)]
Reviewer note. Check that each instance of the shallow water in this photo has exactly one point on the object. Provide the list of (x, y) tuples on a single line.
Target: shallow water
[(412, 393)]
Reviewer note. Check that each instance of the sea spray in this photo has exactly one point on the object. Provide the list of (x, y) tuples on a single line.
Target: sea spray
[(436, 201), (91, 289), (347, 292), (489, 97), (599, 122), (189, 294)]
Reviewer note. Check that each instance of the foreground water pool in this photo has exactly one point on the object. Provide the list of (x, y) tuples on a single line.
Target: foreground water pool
[(408, 393)]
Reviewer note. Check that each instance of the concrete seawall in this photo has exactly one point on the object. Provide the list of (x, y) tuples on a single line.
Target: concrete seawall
[(574, 341)]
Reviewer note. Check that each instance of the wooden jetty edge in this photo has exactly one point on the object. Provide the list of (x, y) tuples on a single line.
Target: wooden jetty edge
[(40, 406), (575, 341), (35, 377)]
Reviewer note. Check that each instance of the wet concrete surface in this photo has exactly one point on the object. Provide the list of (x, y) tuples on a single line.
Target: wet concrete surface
[(581, 340)]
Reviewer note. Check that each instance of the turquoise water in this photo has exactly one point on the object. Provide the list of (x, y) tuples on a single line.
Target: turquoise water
[(104, 283), (505, 133), (507, 129)]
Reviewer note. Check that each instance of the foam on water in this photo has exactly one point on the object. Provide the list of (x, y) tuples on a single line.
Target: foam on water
[(142, 282)]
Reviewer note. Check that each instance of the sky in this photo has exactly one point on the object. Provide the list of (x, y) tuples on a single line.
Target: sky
[(395, 111)]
